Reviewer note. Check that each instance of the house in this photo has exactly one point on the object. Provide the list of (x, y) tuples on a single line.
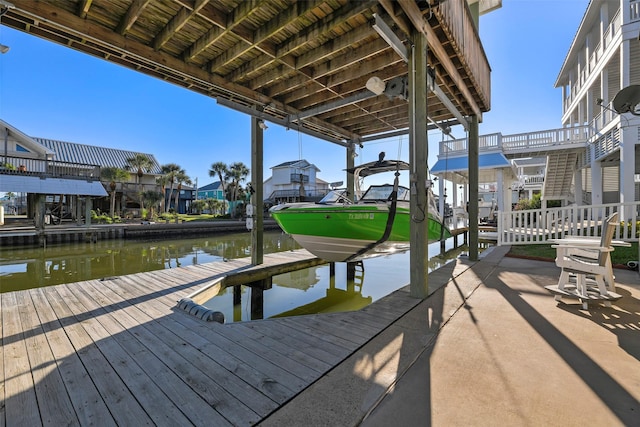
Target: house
[(211, 191), (65, 171), (603, 59), (594, 158), (29, 168), (294, 181), (127, 192)]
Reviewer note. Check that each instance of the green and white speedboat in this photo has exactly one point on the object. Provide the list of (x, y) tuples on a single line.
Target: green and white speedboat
[(339, 229)]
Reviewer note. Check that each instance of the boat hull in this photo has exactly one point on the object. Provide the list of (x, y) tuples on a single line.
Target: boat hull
[(350, 232)]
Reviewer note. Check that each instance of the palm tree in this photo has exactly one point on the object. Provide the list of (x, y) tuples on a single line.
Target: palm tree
[(220, 170), (113, 175), (162, 181), (181, 178), (170, 170), (152, 198), (141, 164), (238, 172)]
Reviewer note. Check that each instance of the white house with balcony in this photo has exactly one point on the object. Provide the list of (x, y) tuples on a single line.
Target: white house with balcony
[(594, 158), (294, 181), (603, 59)]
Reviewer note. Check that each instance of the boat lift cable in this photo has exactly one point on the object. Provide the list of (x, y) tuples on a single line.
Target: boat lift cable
[(390, 219)]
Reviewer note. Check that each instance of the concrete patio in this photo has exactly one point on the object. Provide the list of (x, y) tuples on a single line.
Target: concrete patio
[(508, 355)]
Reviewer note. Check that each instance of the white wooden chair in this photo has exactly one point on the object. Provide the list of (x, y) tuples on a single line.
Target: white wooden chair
[(586, 267)]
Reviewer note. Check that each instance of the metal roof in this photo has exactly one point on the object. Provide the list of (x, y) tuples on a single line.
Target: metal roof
[(40, 185), (212, 186), (94, 155), (456, 169)]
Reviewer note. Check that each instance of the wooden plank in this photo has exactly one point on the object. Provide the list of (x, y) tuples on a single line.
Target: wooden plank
[(297, 325), (286, 347), (85, 398), (123, 406), (273, 352), (154, 402), (329, 328), (233, 398), (21, 405), (275, 330), (53, 401), (262, 374)]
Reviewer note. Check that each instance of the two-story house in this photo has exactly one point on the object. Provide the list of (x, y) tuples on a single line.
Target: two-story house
[(294, 181), (603, 59), (64, 170)]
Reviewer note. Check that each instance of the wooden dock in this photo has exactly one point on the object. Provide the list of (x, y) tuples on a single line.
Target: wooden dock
[(116, 351)]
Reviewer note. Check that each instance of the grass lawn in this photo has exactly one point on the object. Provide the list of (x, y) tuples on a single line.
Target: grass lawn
[(621, 255)]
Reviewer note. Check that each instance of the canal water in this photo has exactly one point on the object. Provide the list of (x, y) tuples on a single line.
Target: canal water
[(313, 290)]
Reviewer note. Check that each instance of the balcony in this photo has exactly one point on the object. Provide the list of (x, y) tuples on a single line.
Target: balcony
[(10, 165)]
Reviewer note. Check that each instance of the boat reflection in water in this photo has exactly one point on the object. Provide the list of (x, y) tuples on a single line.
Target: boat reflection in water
[(327, 288)]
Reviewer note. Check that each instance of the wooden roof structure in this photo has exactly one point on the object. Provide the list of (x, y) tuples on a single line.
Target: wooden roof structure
[(300, 64)]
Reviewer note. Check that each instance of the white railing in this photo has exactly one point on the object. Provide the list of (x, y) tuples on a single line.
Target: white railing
[(537, 226), (606, 42), (521, 142)]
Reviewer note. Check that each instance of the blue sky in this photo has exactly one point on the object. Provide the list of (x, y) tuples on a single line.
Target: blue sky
[(50, 91)]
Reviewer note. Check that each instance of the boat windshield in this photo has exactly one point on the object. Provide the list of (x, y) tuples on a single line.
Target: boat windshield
[(383, 192), (336, 196)]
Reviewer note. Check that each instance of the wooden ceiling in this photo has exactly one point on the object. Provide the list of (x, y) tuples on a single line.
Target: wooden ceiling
[(278, 59)]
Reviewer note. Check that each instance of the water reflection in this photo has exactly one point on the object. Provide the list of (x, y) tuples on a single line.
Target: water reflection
[(319, 289), (31, 267), (323, 290)]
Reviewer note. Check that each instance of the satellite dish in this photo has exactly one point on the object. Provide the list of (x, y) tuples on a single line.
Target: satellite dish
[(627, 100)]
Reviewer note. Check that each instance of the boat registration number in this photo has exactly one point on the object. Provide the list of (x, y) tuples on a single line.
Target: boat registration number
[(361, 216)]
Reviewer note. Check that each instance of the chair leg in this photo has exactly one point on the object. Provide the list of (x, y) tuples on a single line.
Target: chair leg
[(602, 287), (563, 280), (581, 284)]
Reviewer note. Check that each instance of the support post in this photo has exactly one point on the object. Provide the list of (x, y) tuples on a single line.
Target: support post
[(351, 160), (418, 152), (474, 175), (88, 205), (257, 199)]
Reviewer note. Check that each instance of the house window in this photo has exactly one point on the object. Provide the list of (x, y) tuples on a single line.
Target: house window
[(21, 149)]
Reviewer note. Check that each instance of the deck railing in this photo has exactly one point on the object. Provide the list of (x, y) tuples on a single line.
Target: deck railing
[(537, 226), (11, 165), (522, 142), (610, 33)]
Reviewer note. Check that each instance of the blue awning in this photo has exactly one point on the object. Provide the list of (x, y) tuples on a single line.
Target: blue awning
[(457, 164)]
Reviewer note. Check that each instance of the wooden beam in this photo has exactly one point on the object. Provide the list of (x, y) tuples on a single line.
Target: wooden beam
[(135, 54), (133, 13), (83, 8), (418, 155), (176, 23), (415, 15), (257, 161), (276, 24), (317, 31)]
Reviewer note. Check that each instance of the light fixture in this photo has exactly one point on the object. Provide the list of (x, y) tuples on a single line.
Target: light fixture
[(262, 125), (4, 48)]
